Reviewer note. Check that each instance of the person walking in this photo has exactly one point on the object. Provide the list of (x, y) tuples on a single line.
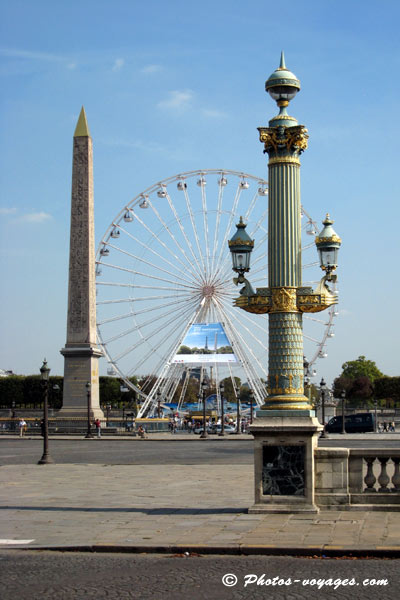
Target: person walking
[(97, 424), (22, 427)]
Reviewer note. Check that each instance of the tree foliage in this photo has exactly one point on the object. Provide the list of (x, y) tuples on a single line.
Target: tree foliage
[(359, 368)]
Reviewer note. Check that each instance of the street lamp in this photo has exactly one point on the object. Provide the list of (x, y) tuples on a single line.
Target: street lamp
[(251, 394), (328, 244), (322, 387), (343, 397), (44, 374), (158, 403), (89, 433), (237, 391), (221, 391), (376, 415), (203, 395)]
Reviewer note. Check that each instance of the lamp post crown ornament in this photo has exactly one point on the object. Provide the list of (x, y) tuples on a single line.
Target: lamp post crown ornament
[(282, 85)]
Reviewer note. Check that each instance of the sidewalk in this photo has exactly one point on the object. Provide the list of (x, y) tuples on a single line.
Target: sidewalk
[(196, 508)]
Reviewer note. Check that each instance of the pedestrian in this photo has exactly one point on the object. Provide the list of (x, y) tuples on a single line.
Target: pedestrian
[(392, 426), (97, 424), (385, 426), (141, 432), (22, 427)]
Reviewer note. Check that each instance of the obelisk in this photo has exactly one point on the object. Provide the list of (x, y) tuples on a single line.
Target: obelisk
[(81, 354)]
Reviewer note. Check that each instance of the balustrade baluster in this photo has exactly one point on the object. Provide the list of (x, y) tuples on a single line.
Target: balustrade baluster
[(396, 475), (383, 478), (370, 478)]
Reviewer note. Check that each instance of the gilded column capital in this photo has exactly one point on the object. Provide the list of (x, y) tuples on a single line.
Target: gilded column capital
[(284, 144)]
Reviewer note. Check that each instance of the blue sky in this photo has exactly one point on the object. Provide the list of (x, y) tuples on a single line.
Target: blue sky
[(175, 86)]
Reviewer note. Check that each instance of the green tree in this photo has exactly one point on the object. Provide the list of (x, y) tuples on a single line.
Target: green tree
[(388, 389), (359, 368)]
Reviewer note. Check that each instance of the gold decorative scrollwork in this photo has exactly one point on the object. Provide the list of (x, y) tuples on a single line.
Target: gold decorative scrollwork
[(284, 300)]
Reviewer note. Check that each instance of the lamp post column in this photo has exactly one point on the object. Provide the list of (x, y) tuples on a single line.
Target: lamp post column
[(237, 410), (203, 434), (323, 392), (222, 390), (251, 406), (89, 434), (46, 458), (343, 397), (376, 415)]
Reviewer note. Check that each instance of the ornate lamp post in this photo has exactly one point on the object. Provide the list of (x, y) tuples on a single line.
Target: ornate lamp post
[(237, 392), (343, 397), (44, 374), (89, 434), (376, 415), (222, 390), (203, 434), (322, 387), (158, 403), (286, 411), (251, 394)]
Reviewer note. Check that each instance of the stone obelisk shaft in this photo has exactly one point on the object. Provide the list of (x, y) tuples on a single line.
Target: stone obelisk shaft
[(81, 353)]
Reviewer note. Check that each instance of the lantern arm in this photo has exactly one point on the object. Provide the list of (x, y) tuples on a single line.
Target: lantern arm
[(247, 290), (309, 300)]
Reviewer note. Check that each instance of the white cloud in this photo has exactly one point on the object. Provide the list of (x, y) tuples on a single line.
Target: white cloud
[(177, 100), (118, 64), (38, 217), (7, 211), (151, 69), (214, 113), (38, 56)]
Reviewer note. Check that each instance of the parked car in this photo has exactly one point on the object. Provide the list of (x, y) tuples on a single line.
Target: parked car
[(358, 423)]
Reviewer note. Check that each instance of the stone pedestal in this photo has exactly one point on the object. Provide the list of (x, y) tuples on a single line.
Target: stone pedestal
[(284, 472), (81, 365)]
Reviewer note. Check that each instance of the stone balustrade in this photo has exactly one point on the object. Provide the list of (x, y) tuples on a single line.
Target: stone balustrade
[(351, 479)]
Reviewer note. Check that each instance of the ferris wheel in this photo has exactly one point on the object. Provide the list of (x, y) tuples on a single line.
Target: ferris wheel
[(163, 265)]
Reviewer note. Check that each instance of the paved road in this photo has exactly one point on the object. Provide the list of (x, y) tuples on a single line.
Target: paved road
[(48, 575), (133, 451)]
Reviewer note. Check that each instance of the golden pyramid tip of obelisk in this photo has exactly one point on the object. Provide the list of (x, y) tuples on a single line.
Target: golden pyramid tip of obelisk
[(82, 129)]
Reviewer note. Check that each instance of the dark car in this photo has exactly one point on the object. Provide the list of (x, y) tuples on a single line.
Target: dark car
[(358, 423)]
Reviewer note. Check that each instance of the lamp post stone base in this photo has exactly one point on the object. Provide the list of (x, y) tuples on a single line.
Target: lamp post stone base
[(284, 469)]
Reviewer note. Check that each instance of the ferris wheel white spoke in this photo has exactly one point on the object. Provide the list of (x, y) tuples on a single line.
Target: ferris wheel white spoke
[(148, 263), (146, 275), (264, 346), (221, 188), (235, 335), (194, 228), (187, 240), (187, 263), (308, 265), (240, 337), (142, 325), (260, 324), (148, 337), (251, 207), (205, 225), (182, 321), (140, 312), (146, 298), (159, 256)]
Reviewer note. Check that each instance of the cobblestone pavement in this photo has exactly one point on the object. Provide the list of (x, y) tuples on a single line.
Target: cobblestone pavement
[(168, 506), (76, 576)]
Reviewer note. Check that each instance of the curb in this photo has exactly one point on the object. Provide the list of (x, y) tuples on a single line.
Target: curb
[(323, 551)]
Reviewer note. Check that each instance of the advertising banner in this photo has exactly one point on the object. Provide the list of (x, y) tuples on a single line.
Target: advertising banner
[(205, 343)]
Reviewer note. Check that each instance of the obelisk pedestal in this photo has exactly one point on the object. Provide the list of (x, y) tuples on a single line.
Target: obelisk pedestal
[(81, 353)]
